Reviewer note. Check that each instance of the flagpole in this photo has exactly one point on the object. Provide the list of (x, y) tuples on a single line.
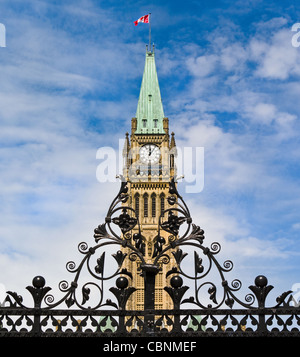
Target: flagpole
[(150, 31)]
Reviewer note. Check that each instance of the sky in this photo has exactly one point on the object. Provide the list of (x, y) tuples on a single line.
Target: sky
[(70, 76)]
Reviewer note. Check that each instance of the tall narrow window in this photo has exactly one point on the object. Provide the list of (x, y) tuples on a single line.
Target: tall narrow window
[(172, 161), (153, 199), (137, 203), (155, 122), (162, 204), (144, 123), (145, 204)]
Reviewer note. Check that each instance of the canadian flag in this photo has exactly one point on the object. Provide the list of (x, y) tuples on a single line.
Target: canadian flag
[(144, 19)]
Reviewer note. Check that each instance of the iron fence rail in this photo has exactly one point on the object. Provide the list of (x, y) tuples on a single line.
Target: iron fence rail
[(254, 322)]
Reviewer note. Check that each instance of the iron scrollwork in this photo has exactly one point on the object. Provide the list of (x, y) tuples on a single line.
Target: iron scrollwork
[(213, 309)]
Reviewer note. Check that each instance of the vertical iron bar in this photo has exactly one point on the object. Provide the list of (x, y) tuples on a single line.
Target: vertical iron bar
[(149, 273)]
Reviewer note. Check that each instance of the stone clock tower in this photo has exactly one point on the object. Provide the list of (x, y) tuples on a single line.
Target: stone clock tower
[(148, 167)]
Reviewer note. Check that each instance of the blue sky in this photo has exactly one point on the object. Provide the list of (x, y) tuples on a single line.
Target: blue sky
[(70, 78)]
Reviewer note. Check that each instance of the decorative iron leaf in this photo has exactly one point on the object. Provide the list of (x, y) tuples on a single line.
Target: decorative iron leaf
[(129, 322), (124, 221), (127, 293), (103, 321), (269, 321), (119, 256), (198, 264), (176, 294), (223, 322), (19, 321), (179, 256), (75, 322), (191, 300), (139, 322), (124, 198), (174, 270), (101, 232), (169, 320), (261, 293), (18, 299), (70, 301), (110, 303), (229, 302), (171, 200), (83, 322), (184, 321), (197, 233), (113, 322), (196, 322), (234, 321), (139, 244), (158, 245), (289, 321), (123, 188), (122, 295), (173, 223), (212, 292), (172, 188), (85, 295), (126, 272), (214, 321), (280, 299), (243, 321), (204, 320), (100, 264), (64, 322), (159, 321)]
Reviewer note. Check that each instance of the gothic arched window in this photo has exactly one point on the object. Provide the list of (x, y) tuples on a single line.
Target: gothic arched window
[(137, 203), (172, 161), (145, 204), (153, 200), (162, 204)]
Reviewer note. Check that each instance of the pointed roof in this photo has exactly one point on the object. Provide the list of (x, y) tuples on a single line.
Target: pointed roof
[(172, 143), (150, 112)]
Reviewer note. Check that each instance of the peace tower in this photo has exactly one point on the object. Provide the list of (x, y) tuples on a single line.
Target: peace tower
[(149, 166)]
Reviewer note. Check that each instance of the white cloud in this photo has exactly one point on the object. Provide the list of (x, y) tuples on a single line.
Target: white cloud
[(233, 57), (42, 244), (229, 160), (263, 113), (267, 114), (271, 25), (238, 244), (50, 197), (202, 66), (296, 226), (242, 155), (276, 58), (252, 247)]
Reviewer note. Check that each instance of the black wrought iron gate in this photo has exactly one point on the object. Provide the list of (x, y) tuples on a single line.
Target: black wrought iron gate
[(213, 309)]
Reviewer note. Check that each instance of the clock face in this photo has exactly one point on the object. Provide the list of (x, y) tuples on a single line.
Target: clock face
[(150, 154)]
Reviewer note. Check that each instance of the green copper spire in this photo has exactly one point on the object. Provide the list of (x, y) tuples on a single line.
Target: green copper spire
[(150, 112)]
